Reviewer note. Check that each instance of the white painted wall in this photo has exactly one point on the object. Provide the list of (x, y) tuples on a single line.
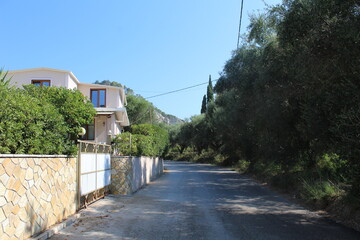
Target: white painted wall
[(113, 98), (101, 126), (145, 170), (118, 128), (71, 82), (112, 94), (24, 78), (84, 89), (113, 126)]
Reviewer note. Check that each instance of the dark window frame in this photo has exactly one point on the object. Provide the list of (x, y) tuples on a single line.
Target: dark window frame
[(41, 81), (98, 96), (86, 136)]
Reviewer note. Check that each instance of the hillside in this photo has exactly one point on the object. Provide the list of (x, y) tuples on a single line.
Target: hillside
[(166, 118)]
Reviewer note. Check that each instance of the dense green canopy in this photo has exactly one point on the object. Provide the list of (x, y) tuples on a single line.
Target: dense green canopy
[(290, 94)]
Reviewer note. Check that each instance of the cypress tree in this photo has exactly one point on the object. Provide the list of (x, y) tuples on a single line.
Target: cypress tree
[(210, 92), (203, 105)]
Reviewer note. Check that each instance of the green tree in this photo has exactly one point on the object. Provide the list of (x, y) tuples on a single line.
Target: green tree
[(210, 92), (203, 105), (289, 96), (180, 137), (140, 111)]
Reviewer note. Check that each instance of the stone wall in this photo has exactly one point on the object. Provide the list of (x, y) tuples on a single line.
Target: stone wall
[(35, 193), (129, 174), (121, 175)]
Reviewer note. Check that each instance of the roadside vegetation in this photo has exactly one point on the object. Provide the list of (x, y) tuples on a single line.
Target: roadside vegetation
[(41, 120), (287, 104), (142, 140)]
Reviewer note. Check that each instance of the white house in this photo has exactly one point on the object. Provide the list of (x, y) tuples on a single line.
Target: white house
[(109, 102)]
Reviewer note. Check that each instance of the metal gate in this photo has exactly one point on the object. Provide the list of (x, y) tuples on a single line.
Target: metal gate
[(94, 171)]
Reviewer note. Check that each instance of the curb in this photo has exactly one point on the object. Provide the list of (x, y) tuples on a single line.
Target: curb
[(56, 228)]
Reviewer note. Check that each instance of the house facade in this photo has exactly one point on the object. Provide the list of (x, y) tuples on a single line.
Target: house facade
[(109, 102)]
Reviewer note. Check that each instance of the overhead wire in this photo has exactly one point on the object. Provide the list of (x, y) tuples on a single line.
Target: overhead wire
[(182, 89)]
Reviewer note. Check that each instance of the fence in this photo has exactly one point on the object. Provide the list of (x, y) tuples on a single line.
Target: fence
[(94, 171), (37, 191)]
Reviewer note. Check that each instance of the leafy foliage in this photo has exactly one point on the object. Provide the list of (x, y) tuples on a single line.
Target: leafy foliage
[(290, 95), (71, 104), (40, 120), (209, 92), (30, 126), (142, 140), (4, 80), (203, 105), (140, 111)]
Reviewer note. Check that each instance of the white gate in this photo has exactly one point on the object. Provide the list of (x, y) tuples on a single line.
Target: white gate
[(94, 170)]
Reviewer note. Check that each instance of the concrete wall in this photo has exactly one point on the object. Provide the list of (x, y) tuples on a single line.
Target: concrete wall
[(129, 174), (35, 193)]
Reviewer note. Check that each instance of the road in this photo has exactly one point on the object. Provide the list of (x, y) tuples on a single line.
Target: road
[(196, 201)]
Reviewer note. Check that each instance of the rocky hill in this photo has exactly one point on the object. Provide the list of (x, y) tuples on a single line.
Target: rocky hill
[(166, 118)]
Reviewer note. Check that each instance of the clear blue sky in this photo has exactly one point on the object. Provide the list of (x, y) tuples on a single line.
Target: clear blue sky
[(151, 46)]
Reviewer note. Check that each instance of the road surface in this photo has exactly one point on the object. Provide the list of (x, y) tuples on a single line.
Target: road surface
[(196, 201)]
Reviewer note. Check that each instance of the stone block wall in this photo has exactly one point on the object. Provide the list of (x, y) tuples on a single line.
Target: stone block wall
[(35, 193), (129, 174), (121, 175)]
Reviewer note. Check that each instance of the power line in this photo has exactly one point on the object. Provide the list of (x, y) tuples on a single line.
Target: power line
[(182, 89), (241, 13)]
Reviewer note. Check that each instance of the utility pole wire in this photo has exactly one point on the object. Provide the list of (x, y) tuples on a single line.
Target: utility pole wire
[(241, 13), (182, 89)]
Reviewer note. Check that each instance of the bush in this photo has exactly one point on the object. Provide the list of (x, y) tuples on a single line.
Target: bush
[(142, 140), (41, 120), (75, 108), (29, 125), (318, 190)]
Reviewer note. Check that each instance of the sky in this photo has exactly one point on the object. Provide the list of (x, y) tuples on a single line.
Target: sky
[(150, 46)]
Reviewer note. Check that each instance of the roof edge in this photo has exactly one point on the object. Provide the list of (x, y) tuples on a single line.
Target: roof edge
[(100, 85)]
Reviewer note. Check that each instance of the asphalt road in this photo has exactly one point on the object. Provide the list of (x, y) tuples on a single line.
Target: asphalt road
[(194, 201)]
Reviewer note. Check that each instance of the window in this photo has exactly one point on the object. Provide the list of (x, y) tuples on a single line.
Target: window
[(90, 132), (41, 83), (98, 97)]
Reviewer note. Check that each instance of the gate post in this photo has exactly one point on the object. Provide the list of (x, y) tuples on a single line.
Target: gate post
[(78, 178)]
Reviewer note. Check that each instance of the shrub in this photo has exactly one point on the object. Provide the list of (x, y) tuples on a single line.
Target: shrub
[(142, 140), (318, 190), (41, 120), (30, 126), (122, 144), (75, 108)]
